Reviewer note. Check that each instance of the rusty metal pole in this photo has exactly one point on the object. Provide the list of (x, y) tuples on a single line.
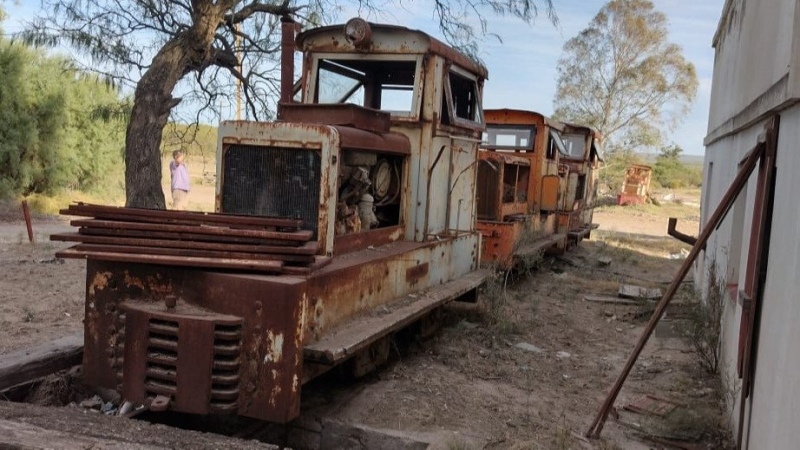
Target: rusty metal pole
[(719, 213), (287, 59), (27, 214)]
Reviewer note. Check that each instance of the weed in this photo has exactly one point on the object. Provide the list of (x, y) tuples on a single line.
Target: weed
[(458, 444), (564, 439), (703, 326), (496, 296), (29, 315), (695, 424)]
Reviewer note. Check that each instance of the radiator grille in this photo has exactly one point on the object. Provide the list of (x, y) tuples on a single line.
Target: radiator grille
[(162, 358), (225, 369), (272, 181)]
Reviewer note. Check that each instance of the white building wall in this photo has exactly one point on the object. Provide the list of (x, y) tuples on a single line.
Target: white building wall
[(775, 415), (754, 49), (757, 44), (734, 231)]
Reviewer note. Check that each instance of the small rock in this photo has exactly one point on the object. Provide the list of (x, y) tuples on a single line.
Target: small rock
[(469, 325), (619, 330), (529, 347), (611, 319), (563, 355), (604, 261), (92, 403)]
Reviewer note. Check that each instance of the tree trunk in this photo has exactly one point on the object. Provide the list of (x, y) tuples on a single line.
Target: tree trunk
[(151, 107), (186, 52)]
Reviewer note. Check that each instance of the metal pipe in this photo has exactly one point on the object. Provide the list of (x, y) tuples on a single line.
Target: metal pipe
[(287, 59), (673, 222), (428, 186), (719, 213), (27, 214)]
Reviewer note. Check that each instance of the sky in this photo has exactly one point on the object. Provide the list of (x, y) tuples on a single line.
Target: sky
[(522, 67)]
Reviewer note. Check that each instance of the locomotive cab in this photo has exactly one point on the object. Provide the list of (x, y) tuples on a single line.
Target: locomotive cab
[(520, 187), (580, 159)]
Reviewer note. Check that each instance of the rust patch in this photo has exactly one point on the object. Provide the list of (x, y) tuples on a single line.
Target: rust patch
[(99, 282), (415, 273)]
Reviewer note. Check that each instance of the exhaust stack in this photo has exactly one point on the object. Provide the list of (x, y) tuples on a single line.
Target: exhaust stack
[(287, 59)]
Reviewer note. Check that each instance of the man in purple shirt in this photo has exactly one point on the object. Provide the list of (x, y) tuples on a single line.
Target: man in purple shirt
[(180, 181)]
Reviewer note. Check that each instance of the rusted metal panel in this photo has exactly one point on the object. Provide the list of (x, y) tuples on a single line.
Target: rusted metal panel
[(461, 185), (301, 235), (269, 360), (309, 248), (175, 217), (186, 236), (343, 114), (503, 243), (393, 143), (169, 260), (549, 193), (415, 273), (221, 254), (347, 243), (371, 277), (498, 239), (343, 342)]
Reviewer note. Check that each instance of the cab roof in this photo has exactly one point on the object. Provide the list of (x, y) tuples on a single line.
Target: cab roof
[(391, 39)]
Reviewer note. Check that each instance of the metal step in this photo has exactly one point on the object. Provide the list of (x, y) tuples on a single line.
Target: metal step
[(360, 332)]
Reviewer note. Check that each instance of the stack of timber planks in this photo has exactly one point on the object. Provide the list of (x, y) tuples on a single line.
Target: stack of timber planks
[(188, 238)]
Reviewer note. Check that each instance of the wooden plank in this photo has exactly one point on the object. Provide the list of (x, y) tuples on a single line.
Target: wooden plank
[(633, 291), (183, 237), (188, 252), (29, 364), (302, 235), (90, 210), (309, 248), (190, 261), (362, 331), (21, 435), (608, 299), (28, 426)]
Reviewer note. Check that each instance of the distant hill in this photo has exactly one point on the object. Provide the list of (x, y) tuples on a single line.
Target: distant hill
[(689, 160)]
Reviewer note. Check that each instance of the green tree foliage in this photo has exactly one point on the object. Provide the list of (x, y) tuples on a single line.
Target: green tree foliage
[(670, 172), (58, 130), (161, 45), (621, 76)]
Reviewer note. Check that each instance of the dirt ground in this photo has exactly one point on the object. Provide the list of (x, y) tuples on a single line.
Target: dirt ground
[(473, 385)]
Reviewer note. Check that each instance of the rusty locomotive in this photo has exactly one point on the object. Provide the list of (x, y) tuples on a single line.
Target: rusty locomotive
[(374, 153), (536, 186)]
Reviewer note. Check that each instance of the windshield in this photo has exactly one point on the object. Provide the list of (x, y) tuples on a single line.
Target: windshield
[(509, 137), (575, 145), (377, 84)]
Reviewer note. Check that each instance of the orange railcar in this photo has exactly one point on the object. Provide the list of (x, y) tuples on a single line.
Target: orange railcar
[(535, 191)]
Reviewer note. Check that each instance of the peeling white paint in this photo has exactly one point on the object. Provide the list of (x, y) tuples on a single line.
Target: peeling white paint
[(274, 347)]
